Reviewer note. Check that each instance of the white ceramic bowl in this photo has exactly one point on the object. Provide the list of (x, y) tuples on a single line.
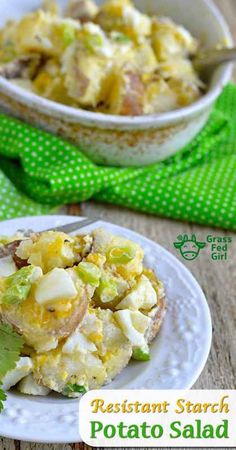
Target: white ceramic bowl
[(121, 140)]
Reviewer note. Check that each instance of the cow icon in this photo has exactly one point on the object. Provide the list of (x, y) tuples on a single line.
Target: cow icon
[(189, 248)]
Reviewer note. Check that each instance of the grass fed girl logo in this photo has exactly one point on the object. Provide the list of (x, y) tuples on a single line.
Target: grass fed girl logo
[(190, 246)]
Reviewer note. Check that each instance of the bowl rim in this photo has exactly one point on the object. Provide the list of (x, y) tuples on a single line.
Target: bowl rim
[(72, 114)]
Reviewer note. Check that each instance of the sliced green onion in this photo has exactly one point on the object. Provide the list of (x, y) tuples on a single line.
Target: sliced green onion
[(120, 255), (68, 34), (92, 41), (107, 290), (89, 273), (120, 37), (18, 286), (140, 354)]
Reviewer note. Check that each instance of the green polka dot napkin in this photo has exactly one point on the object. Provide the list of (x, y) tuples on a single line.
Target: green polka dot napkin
[(40, 172)]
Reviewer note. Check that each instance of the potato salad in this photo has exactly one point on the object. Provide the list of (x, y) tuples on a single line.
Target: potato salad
[(83, 307), (112, 59)]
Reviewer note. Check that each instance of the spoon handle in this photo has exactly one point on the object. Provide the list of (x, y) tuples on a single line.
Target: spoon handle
[(214, 57)]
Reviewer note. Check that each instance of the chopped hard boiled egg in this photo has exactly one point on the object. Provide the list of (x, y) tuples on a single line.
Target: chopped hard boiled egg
[(92, 326), (133, 324), (55, 286), (29, 386), (142, 296), (77, 342), (23, 368), (37, 273), (7, 266)]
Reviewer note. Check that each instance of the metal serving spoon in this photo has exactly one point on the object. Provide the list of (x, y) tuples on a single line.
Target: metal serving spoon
[(74, 226), (208, 59)]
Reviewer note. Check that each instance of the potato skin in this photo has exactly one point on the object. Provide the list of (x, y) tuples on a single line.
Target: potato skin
[(157, 320), (38, 326), (127, 96), (86, 75), (9, 249)]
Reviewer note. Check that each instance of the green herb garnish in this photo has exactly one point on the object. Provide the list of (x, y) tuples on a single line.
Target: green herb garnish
[(11, 345), (3, 397), (71, 388)]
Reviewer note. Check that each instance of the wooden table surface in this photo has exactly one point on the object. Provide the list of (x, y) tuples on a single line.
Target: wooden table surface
[(218, 280)]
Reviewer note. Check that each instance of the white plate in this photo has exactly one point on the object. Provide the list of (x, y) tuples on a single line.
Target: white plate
[(179, 353)]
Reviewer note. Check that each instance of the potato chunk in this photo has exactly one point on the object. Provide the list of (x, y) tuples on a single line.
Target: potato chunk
[(42, 327), (127, 95), (82, 10), (56, 370), (178, 68), (8, 48), (49, 250), (144, 59), (168, 39), (87, 66), (102, 353), (159, 97), (121, 15), (44, 33), (186, 92)]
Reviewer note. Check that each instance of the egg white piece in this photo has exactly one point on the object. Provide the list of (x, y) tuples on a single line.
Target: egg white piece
[(142, 296), (7, 266), (77, 342), (37, 273), (23, 368), (29, 386), (133, 324), (55, 286)]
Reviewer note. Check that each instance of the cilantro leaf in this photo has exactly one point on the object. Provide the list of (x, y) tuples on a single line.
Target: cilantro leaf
[(10, 347), (70, 387), (3, 397)]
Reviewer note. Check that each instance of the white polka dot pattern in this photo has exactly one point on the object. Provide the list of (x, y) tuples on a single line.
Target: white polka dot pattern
[(41, 171)]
